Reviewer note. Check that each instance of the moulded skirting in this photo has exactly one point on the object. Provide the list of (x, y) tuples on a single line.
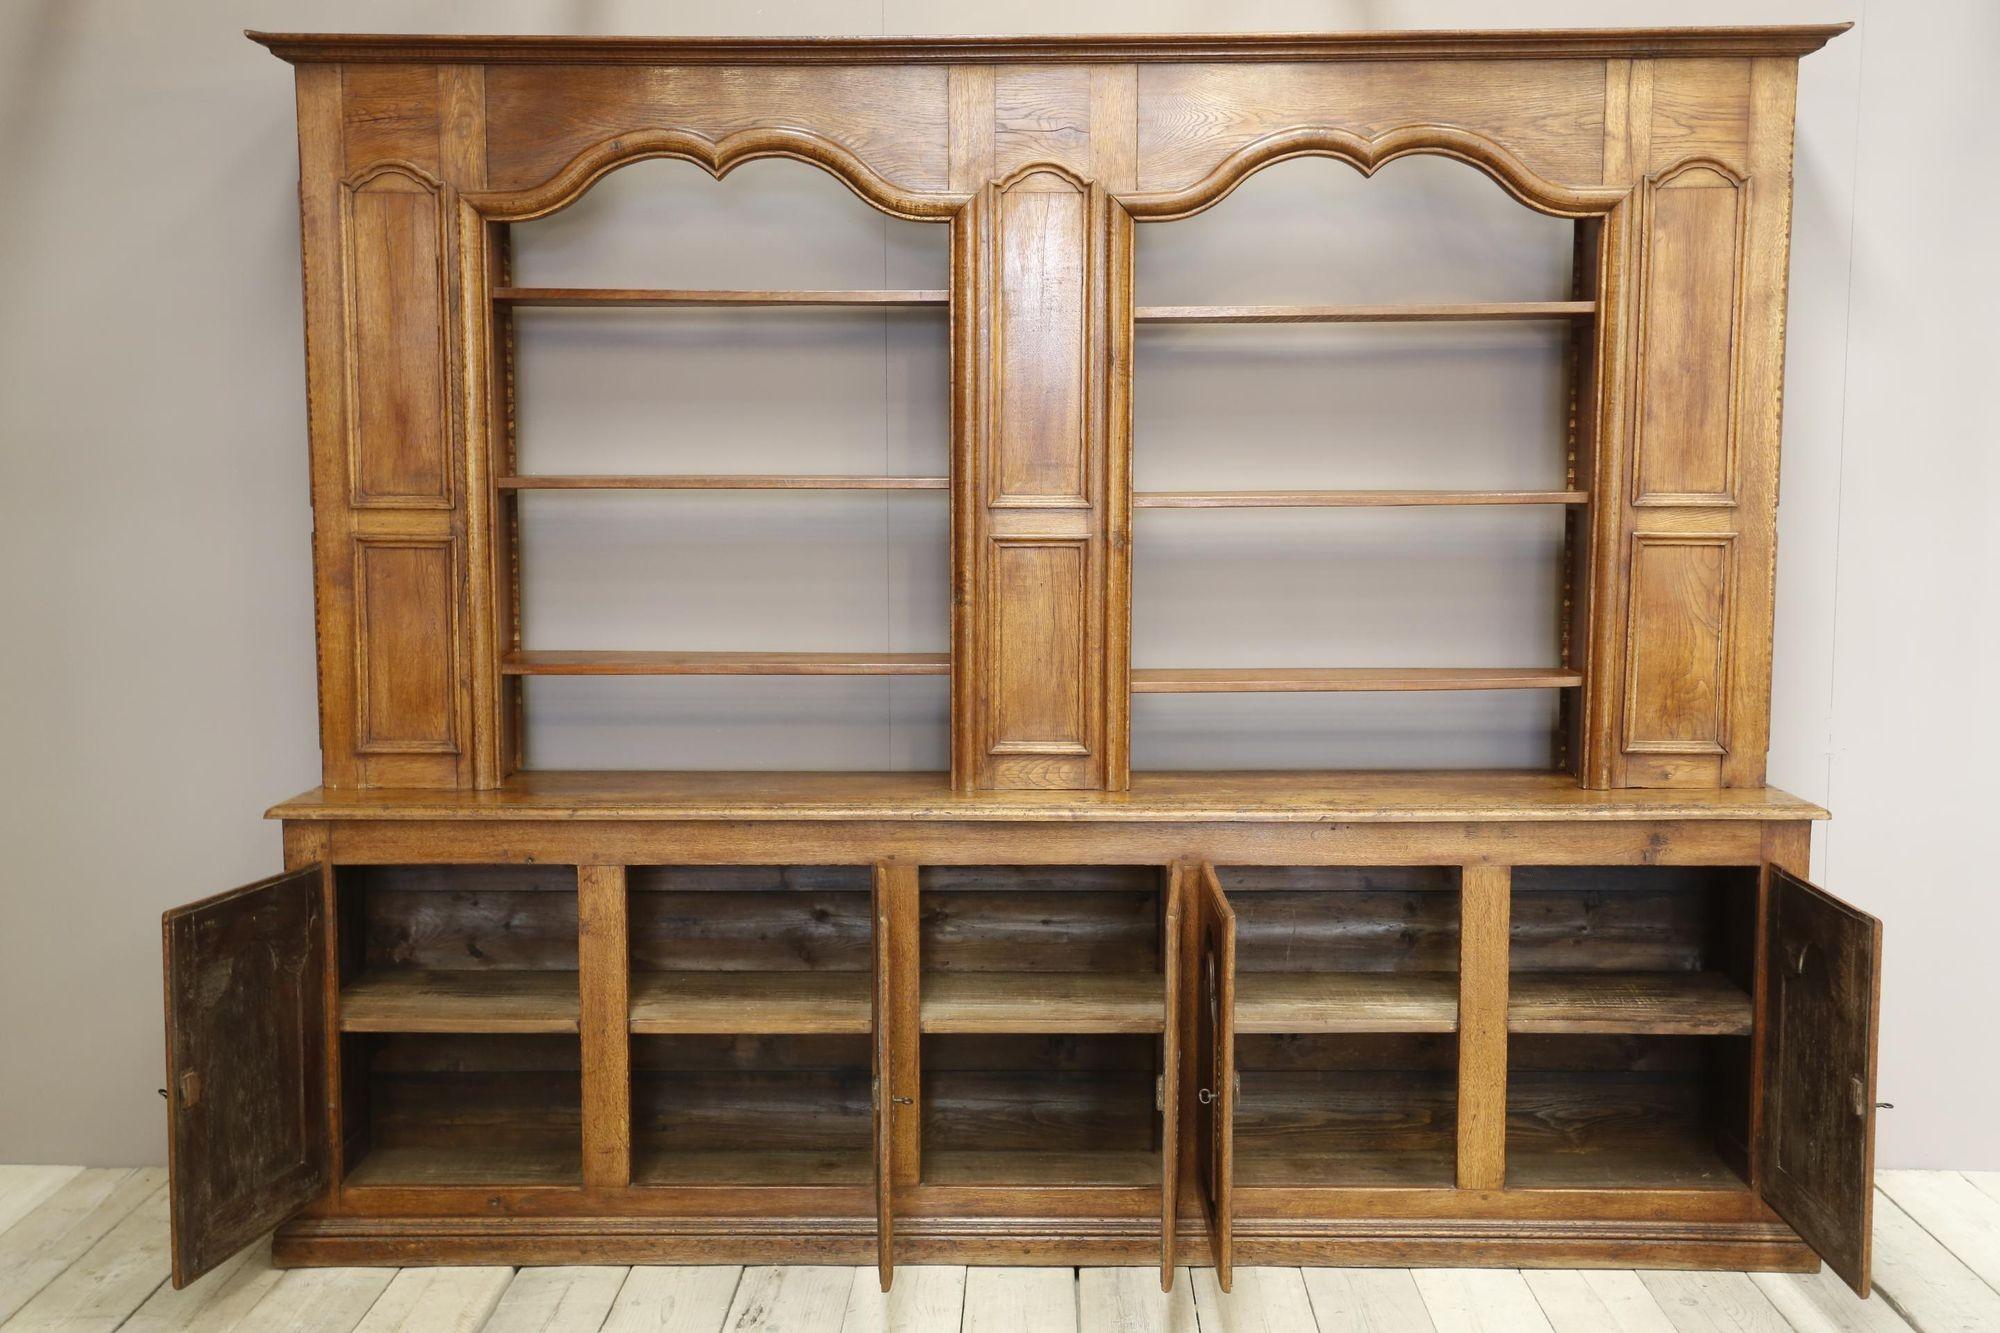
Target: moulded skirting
[(1368, 1242)]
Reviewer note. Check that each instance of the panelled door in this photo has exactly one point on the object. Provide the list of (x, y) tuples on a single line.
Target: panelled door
[(1822, 999), (1215, 1062), (247, 1131), (884, 1109)]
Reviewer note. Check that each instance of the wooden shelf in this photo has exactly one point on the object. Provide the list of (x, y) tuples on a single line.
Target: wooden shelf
[(1355, 1168), (1670, 1158), (1452, 796), (755, 482), (1346, 1002), (593, 662), (1290, 680), (1046, 1170), (491, 1000), (1348, 499), (1665, 1003), (446, 1168), (783, 1167), (1053, 1002), (1461, 313), (591, 297), (750, 1002)]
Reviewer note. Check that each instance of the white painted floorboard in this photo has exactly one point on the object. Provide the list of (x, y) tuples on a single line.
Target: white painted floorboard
[(87, 1250)]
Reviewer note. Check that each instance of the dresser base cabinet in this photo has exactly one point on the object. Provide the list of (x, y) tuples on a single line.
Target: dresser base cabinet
[(1126, 1036)]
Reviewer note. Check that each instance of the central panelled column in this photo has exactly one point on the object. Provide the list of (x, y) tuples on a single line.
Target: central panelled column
[(1042, 328)]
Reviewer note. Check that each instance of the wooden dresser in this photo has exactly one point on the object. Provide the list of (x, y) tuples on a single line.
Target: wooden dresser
[(1040, 1008)]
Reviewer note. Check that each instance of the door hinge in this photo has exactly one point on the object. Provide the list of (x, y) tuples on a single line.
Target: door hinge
[(1159, 1092), (190, 1087)]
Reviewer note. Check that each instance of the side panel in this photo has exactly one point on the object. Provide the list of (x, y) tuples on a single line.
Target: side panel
[(1822, 1003), (247, 1136)]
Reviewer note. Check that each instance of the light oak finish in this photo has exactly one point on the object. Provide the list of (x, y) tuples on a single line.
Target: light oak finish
[(1292, 680), (586, 297), (749, 1002), (488, 1001), (607, 662), (720, 483), (1689, 1003), (1053, 1002), (1362, 314), (1347, 499), (1038, 1008)]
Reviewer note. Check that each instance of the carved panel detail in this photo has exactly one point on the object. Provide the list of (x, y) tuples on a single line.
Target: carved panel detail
[(406, 644), (1684, 446), (1041, 341), (1038, 692), (1677, 649), (393, 257)]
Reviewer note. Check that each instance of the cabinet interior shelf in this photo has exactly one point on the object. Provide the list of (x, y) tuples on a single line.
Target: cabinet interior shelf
[(1043, 1169), (1360, 1002), (593, 662), (1049, 1002), (787, 1167), (1347, 499), (586, 297), (502, 1000), (772, 482), (1459, 313), (1704, 1004), (483, 1168), (1294, 680), (750, 1002)]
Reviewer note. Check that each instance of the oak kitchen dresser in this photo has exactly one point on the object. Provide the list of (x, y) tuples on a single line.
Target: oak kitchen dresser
[(1041, 1008)]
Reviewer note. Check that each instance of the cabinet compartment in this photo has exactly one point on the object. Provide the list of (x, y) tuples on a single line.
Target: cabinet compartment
[(1346, 1013), (1346, 1110), (750, 1013), (1040, 1110), (1630, 1019), (465, 949), (751, 1110), (1050, 949), (1630, 1112), (750, 949), (461, 1110)]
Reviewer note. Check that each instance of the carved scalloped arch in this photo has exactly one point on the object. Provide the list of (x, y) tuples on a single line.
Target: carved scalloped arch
[(1369, 154), (718, 157)]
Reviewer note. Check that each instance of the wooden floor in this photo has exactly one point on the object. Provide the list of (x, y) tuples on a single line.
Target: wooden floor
[(86, 1250)]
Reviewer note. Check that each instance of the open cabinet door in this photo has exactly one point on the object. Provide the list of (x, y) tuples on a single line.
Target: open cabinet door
[(884, 1083), (1170, 1072), (247, 1135), (1215, 1063), (1823, 960)]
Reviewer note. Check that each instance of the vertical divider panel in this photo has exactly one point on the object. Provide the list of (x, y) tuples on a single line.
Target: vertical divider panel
[(1170, 1070), (899, 910), (604, 980), (1485, 908), (894, 959), (308, 844)]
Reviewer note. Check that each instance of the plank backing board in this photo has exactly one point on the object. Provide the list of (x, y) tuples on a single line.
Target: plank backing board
[(247, 1138), (1822, 1007)]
